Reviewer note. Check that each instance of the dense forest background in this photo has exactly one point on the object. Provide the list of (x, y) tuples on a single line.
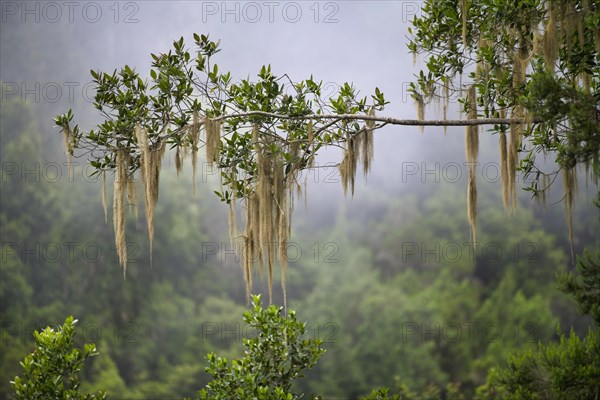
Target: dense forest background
[(387, 279)]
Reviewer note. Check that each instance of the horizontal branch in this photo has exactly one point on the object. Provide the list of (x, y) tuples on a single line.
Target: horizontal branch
[(387, 120)]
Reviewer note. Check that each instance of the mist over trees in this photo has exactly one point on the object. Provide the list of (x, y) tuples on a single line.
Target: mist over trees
[(388, 279)]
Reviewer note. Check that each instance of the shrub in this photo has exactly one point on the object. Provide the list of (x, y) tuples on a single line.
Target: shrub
[(50, 372), (273, 359)]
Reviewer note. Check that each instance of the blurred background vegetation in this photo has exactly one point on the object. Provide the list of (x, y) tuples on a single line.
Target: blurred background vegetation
[(391, 284), (387, 280)]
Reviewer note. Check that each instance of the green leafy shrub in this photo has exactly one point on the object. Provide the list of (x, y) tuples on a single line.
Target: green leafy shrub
[(566, 370), (50, 372), (273, 359)]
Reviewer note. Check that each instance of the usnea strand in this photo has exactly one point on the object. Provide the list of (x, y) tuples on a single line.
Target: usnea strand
[(472, 151)]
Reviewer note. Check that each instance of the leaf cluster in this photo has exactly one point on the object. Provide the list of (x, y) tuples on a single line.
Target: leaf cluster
[(538, 59), (50, 372), (184, 83), (272, 361)]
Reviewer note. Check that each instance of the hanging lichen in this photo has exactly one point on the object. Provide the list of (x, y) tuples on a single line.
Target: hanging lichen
[(208, 139), (570, 21), (479, 65), (263, 188), (267, 232), (262, 229), (250, 242), (156, 156), (541, 191), (120, 186), (550, 41), (150, 161), (513, 147), (445, 103), (232, 223), (586, 82), (141, 136), (131, 192), (504, 175), (515, 140), (294, 151), (178, 161), (520, 63), (472, 149), (278, 190), (283, 229), (213, 140), (366, 143), (537, 39), (194, 137), (464, 15), (311, 144), (68, 138), (104, 205), (580, 29), (420, 103), (358, 146), (348, 165), (285, 206), (472, 205), (472, 131), (268, 212), (570, 188)]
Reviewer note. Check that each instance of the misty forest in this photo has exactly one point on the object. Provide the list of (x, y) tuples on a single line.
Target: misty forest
[(300, 200)]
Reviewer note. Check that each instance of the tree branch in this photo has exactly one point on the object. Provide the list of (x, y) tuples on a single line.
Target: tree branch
[(387, 120)]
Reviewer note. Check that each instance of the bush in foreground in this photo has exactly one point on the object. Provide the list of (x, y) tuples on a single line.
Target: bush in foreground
[(50, 372)]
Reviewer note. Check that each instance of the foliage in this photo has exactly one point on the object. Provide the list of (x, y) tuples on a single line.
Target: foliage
[(381, 394), (539, 60), (586, 286), (270, 135), (534, 59), (138, 317), (50, 372), (554, 100), (566, 370), (57, 260), (369, 309), (424, 309), (184, 85), (272, 360), (569, 369), (104, 375), (450, 392)]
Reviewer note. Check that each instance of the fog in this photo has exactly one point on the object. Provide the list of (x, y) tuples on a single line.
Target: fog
[(48, 48)]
